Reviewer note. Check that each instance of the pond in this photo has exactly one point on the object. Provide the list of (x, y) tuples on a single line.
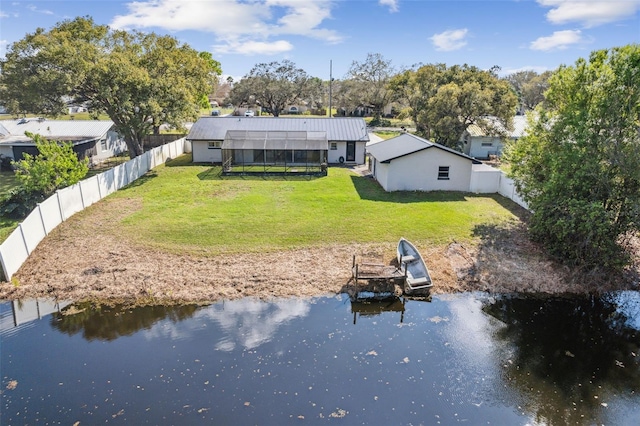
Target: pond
[(469, 358)]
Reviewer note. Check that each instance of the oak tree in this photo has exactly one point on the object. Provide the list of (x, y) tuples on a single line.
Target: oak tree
[(274, 86), (444, 101), (139, 80), (369, 81)]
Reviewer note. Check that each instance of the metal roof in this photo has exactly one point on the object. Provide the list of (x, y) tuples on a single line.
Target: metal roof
[(519, 127), (66, 130), (336, 129), (405, 144), (243, 139)]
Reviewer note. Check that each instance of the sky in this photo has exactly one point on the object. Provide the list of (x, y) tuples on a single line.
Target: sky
[(325, 37)]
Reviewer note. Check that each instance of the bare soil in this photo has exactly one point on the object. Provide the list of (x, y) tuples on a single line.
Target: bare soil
[(84, 260)]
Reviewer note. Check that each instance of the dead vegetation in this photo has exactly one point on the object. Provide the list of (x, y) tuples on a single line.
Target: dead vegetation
[(84, 260)]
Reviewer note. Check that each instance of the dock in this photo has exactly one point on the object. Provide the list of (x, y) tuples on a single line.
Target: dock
[(376, 278)]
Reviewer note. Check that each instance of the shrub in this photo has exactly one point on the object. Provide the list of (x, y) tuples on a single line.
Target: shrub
[(18, 203), (380, 122), (55, 166)]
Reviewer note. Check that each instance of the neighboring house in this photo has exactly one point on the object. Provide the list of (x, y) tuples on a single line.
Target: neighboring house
[(345, 138), (96, 139), (75, 109), (411, 163), (476, 143)]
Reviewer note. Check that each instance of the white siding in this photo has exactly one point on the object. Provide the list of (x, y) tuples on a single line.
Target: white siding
[(115, 145), (202, 153), (334, 156), (419, 172), (477, 150), (382, 174)]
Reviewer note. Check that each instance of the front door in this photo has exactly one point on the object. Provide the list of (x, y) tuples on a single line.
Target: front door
[(351, 151)]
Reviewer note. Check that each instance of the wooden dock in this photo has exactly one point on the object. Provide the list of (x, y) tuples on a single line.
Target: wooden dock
[(375, 278), (374, 271)]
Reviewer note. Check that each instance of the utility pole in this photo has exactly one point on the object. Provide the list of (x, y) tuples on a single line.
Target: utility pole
[(330, 84)]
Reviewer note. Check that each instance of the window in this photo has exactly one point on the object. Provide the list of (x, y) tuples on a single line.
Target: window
[(443, 173), (103, 144), (212, 145), (334, 146), (487, 144)]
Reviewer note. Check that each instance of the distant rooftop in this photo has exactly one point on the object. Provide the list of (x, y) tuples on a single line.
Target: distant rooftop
[(13, 131)]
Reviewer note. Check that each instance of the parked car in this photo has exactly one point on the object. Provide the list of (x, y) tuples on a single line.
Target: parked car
[(249, 113), (215, 112)]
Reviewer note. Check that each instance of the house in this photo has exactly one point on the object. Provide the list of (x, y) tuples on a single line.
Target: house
[(343, 139), (411, 163), (478, 144), (96, 139)]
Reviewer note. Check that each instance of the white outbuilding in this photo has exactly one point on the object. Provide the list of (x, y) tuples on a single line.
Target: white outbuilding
[(411, 163)]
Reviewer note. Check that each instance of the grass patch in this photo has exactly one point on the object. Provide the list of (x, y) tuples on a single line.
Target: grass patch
[(387, 134), (8, 181), (189, 208), (107, 164)]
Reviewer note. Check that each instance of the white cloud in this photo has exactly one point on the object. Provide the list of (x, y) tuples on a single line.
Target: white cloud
[(557, 41), (254, 47), (450, 40), (508, 71), (392, 4), (43, 11), (253, 22), (3, 14), (590, 13)]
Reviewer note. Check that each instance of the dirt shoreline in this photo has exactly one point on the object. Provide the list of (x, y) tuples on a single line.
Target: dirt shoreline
[(120, 272)]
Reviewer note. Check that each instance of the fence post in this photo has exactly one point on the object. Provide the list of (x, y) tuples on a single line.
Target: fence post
[(44, 226), (60, 205), (81, 196), (24, 240)]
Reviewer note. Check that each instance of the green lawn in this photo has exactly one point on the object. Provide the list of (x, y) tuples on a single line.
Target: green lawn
[(191, 209), (8, 181)]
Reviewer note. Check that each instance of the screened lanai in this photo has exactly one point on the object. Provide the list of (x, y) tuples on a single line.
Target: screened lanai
[(274, 152)]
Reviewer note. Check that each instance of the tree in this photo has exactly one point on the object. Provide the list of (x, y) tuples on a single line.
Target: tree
[(55, 166), (530, 87), (371, 78), (274, 86), (579, 166), (445, 101), (346, 95), (139, 80)]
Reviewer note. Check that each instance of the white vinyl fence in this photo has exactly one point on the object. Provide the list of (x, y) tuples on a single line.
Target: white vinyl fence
[(489, 180), (68, 201)]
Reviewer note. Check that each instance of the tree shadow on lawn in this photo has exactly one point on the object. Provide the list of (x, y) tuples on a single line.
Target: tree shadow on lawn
[(151, 174)]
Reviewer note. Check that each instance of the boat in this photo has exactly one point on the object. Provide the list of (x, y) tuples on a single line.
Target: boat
[(412, 265)]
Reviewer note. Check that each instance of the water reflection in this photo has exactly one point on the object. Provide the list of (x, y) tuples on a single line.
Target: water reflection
[(248, 323), (110, 322), (458, 358), (374, 307), (571, 358)]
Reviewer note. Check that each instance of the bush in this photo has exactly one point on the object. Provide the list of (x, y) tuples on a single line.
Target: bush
[(6, 164), (380, 122), (56, 166), (18, 203)]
